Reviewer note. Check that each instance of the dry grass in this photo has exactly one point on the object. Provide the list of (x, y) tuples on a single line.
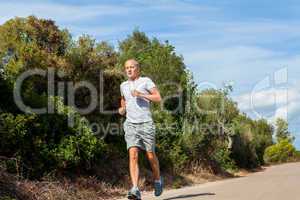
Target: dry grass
[(91, 188), (85, 188)]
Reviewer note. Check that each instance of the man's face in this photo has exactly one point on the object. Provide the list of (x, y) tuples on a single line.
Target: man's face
[(132, 69)]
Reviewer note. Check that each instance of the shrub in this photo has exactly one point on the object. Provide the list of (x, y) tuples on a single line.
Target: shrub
[(43, 143), (281, 152), (222, 156)]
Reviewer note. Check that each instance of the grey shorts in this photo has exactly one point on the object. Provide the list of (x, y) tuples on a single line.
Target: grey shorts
[(140, 135)]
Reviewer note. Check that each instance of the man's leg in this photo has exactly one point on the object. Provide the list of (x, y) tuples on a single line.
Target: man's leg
[(158, 182), (133, 165), (154, 165)]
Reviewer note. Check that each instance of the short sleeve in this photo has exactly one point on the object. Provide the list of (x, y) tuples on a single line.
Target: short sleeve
[(149, 84), (121, 91)]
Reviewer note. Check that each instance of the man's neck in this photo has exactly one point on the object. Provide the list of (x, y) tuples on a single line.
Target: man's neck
[(135, 78)]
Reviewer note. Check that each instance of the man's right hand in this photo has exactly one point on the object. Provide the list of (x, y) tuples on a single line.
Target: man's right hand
[(122, 110)]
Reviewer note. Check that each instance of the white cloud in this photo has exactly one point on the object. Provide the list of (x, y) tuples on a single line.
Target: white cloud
[(229, 56), (268, 97), (174, 6), (64, 12), (106, 33), (75, 18), (58, 12), (285, 103), (255, 30)]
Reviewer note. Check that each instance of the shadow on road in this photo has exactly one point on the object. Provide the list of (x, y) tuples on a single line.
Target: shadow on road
[(189, 196)]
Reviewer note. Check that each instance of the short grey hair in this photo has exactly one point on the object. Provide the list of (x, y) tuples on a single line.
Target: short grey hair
[(134, 61)]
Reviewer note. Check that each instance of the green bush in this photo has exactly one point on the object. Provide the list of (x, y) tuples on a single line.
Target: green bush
[(243, 152), (43, 143), (281, 152), (298, 156), (222, 156)]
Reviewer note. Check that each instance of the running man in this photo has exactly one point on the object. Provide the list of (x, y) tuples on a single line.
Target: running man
[(136, 94)]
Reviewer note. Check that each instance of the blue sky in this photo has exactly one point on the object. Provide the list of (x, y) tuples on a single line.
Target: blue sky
[(253, 45)]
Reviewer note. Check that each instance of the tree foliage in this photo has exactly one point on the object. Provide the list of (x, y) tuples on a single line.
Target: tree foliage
[(282, 131)]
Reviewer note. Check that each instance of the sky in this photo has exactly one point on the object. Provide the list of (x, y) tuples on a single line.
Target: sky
[(252, 45)]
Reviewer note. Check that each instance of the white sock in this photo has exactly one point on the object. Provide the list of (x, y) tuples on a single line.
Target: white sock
[(158, 181), (136, 187)]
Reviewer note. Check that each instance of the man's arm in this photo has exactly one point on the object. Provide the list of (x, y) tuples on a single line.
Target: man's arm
[(122, 109), (153, 96)]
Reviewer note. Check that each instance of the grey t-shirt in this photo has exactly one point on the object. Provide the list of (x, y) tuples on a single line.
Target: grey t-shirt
[(137, 109)]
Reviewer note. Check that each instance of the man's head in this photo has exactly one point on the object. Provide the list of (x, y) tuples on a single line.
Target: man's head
[(132, 69)]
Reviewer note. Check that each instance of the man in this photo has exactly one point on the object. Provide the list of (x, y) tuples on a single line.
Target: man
[(136, 94)]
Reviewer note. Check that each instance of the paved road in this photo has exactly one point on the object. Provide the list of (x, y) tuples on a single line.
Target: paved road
[(280, 182)]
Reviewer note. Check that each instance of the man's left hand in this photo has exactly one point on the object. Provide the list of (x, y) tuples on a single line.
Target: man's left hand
[(136, 93)]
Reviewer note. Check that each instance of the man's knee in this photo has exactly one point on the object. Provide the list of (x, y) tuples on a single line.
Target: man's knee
[(133, 154), (151, 156)]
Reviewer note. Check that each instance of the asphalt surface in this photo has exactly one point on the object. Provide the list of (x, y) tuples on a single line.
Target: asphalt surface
[(281, 182)]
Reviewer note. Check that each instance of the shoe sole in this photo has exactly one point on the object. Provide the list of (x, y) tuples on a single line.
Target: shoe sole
[(132, 197)]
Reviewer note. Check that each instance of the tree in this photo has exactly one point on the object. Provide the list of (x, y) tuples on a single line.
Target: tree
[(282, 131), (31, 43), (263, 132)]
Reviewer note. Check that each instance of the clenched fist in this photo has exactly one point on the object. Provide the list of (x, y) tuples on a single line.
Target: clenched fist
[(122, 110), (136, 93)]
